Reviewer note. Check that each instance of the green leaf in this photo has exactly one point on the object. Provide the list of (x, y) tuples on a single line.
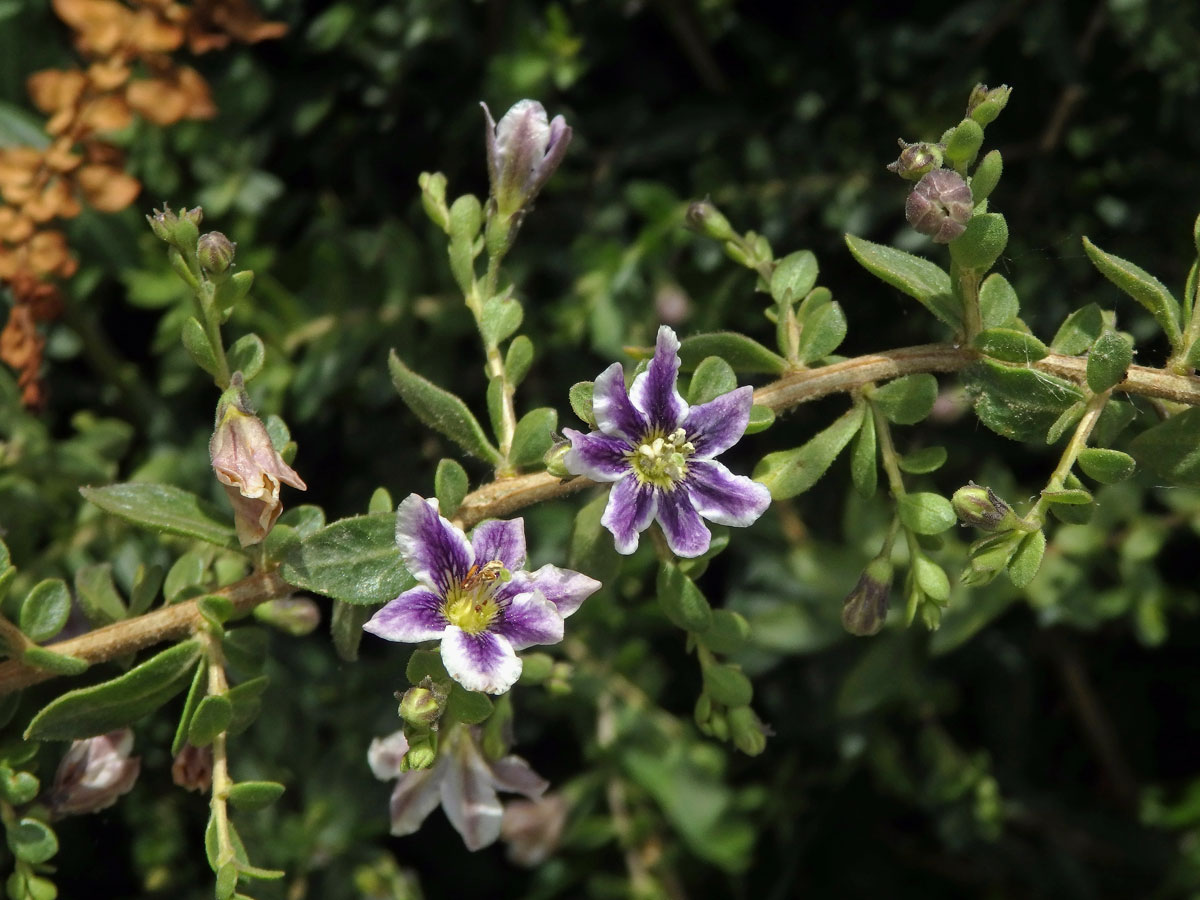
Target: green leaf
[(1078, 331), (198, 346), (45, 610), (501, 317), (247, 355), (86, 712), (468, 707), (922, 280), (354, 560), (923, 461), (864, 470), (742, 353), (18, 788), (761, 418), (1069, 497), (186, 575), (1018, 403), (424, 664), (727, 685), (794, 276), (518, 359), (162, 508), (931, 578), (1010, 345), (194, 695), (791, 472), (247, 701), (98, 595), (998, 303), (212, 717), (907, 400), (580, 397), (1106, 466), (534, 435), (32, 841), (252, 795), (713, 378), (987, 176), (978, 248), (728, 632), (345, 625), (450, 486), (1067, 420), (681, 600), (964, 142), (823, 330), (466, 217), (1142, 287), (1027, 560), (441, 411), (1108, 361), (925, 513), (380, 502), (215, 608), (58, 663), (591, 550), (1171, 449), (147, 582)]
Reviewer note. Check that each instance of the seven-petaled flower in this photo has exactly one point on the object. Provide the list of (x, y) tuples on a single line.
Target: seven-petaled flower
[(475, 596), (660, 451), (463, 780)]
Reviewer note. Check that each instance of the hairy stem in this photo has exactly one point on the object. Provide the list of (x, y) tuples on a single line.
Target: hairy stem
[(507, 495)]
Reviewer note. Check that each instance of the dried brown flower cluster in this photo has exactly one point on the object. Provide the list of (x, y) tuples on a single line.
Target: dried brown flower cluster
[(127, 71)]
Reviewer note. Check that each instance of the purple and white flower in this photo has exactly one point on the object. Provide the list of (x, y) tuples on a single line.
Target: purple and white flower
[(475, 596), (463, 780), (660, 452)]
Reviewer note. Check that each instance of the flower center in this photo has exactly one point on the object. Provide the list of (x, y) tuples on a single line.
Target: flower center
[(471, 604), (661, 460)]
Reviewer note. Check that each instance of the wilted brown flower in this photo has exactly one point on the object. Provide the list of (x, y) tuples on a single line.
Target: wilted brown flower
[(93, 774)]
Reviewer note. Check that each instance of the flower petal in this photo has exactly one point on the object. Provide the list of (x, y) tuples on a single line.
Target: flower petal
[(514, 775), (654, 393), (502, 540), (416, 615), (596, 455), (717, 425), (480, 662), (386, 754), (468, 797), (435, 552), (530, 619), (630, 510), (564, 588), (614, 412), (417, 794), (725, 498), (686, 533)]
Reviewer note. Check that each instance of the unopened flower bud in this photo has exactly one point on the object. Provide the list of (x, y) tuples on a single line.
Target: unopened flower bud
[(704, 218), (385, 756), (749, 733), (554, 458), (422, 754), (533, 828), (215, 252), (93, 774), (523, 150), (296, 616), (181, 229), (983, 508), (192, 768), (916, 160), (246, 463), (865, 608), (422, 706), (985, 104), (940, 205)]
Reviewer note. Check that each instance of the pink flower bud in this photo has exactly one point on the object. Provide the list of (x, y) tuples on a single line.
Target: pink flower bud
[(246, 463), (93, 774), (192, 768), (940, 205), (523, 150)]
